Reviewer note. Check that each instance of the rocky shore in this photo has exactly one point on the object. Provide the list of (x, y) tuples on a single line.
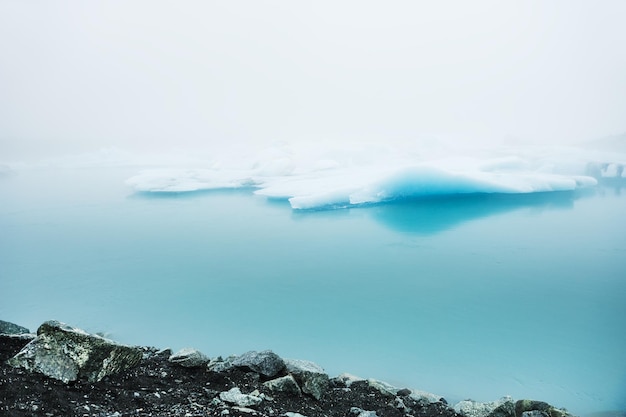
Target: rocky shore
[(64, 371)]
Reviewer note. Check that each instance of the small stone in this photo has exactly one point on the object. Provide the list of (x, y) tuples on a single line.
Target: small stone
[(11, 328), (286, 384), (383, 387), (220, 364), (362, 413), (346, 380), (245, 410), (189, 358), (310, 376), (426, 397), (266, 363), (234, 396), (503, 407), (522, 406)]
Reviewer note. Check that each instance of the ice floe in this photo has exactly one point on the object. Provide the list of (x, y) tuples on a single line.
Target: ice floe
[(320, 177)]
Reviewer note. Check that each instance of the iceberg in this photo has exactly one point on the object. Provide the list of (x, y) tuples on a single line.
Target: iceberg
[(326, 178)]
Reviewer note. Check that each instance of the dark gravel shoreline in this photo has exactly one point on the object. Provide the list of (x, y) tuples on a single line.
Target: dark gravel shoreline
[(160, 386)]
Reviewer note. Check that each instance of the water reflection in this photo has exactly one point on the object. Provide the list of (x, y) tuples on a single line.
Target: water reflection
[(422, 216), (616, 184), (174, 195), (427, 216)]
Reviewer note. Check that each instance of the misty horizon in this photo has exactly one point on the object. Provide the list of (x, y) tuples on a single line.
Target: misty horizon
[(148, 77)]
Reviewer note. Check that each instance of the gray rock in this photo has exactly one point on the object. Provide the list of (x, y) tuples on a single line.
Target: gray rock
[(10, 328), (423, 396), (471, 408), (286, 384), (526, 408), (530, 405), (506, 409), (266, 363), (66, 353), (220, 364), (383, 387), (346, 379), (291, 414), (310, 376), (234, 396), (189, 358)]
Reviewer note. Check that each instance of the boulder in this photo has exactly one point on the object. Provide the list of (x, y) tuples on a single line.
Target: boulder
[(66, 353), (10, 328), (266, 363), (310, 376), (189, 358), (235, 396), (285, 384)]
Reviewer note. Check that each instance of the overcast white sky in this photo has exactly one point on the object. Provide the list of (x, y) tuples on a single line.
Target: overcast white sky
[(78, 76)]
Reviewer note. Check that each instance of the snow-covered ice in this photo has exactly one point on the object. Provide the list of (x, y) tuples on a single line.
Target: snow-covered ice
[(323, 176)]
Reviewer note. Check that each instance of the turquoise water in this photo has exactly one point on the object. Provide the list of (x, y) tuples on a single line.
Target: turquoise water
[(474, 297)]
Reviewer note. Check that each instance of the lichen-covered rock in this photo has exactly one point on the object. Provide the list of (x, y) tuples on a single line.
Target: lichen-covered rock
[(66, 353), (11, 328), (310, 376), (285, 384), (266, 363), (235, 396), (189, 358)]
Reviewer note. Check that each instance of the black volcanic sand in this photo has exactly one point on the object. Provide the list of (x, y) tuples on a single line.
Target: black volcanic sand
[(157, 387)]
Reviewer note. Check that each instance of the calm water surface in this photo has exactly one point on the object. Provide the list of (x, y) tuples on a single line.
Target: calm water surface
[(476, 298)]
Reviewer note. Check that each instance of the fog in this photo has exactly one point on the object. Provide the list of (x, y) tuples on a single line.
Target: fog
[(151, 75)]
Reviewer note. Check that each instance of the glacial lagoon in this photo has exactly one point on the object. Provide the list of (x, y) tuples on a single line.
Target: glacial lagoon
[(477, 296)]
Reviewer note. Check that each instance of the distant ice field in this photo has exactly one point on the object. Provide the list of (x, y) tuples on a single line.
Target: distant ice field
[(481, 275)]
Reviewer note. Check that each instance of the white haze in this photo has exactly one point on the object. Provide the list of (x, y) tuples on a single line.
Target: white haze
[(151, 76)]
